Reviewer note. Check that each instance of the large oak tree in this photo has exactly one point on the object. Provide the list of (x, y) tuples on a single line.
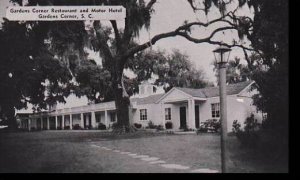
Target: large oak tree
[(71, 38)]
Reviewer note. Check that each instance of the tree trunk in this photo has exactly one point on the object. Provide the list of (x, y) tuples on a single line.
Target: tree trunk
[(122, 102), (9, 115), (122, 107)]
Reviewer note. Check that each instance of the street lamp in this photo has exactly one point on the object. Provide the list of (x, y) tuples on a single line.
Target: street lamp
[(222, 55)]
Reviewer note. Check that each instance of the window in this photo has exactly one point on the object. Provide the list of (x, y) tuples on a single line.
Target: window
[(215, 110), (143, 114), (168, 113)]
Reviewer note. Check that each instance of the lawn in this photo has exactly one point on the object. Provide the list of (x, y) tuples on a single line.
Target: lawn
[(69, 151)]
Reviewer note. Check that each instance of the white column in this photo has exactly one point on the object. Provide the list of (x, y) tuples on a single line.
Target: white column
[(63, 122), (71, 122), (93, 119), (191, 110), (48, 123), (106, 118), (41, 122), (81, 120), (56, 122), (29, 124)]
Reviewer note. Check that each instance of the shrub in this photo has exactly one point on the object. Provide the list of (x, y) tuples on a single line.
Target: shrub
[(115, 126), (76, 127), (210, 125), (251, 124), (151, 125), (160, 127), (101, 126), (236, 126), (202, 128), (249, 136), (169, 125), (137, 125)]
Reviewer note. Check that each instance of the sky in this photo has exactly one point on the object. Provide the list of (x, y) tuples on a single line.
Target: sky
[(168, 15)]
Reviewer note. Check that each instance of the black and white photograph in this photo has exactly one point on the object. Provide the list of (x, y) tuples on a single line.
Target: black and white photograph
[(144, 86)]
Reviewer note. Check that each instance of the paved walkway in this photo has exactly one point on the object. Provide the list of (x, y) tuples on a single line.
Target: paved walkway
[(151, 160)]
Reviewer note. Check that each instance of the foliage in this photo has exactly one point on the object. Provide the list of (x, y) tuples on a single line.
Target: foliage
[(235, 71), (178, 71), (251, 124), (115, 126), (159, 127), (174, 69), (94, 82), (249, 135), (169, 125), (26, 71), (137, 125), (236, 126), (76, 127), (151, 125), (270, 37), (210, 125), (101, 126)]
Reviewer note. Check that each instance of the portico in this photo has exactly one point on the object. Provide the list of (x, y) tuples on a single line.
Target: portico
[(188, 116)]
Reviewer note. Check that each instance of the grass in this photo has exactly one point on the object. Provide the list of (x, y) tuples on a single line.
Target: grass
[(67, 151)]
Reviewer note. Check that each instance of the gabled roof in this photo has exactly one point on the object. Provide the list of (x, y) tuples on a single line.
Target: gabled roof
[(214, 91), (208, 92), (147, 100)]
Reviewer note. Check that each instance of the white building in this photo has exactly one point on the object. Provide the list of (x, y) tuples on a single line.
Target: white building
[(183, 107)]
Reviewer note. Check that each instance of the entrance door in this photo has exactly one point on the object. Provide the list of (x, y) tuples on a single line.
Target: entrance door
[(84, 121), (182, 117), (197, 118)]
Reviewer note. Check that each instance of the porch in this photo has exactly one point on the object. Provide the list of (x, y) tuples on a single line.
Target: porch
[(84, 117)]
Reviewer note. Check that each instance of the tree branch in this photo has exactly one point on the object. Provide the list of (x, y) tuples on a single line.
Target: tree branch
[(250, 63), (221, 19), (207, 39), (150, 4), (117, 34), (102, 42), (182, 31)]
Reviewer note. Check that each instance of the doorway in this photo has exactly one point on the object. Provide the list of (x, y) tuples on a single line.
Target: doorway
[(182, 114), (197, 116)]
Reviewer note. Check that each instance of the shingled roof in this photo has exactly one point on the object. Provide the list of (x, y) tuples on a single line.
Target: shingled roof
[(202, 93), (147, 100), (214, 91)]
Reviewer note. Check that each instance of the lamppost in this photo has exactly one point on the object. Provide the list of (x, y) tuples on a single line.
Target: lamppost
[(222, 55)]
